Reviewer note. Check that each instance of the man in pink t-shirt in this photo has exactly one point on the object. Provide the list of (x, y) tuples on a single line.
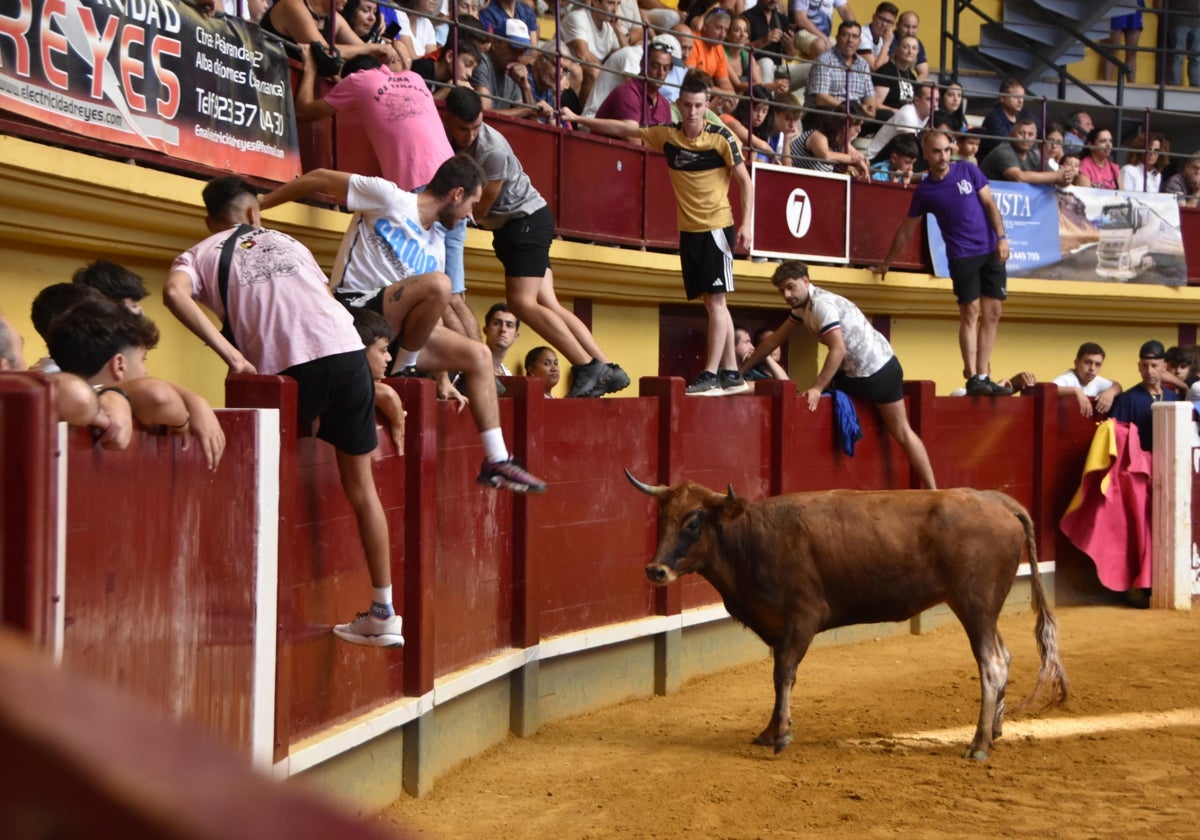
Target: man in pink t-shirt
[(401, 122)]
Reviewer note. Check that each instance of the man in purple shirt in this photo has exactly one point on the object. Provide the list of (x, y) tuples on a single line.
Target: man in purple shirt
[(958, 196), (639, 101)]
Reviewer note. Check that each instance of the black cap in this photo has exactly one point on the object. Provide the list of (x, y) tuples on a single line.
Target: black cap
[(1152, 350)]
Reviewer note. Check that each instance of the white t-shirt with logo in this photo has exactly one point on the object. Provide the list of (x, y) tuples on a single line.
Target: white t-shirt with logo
[(866, 348), (385, 242)]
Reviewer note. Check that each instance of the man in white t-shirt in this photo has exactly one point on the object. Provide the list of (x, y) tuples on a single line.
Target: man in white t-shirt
[(875, 45), (393, 249), (589, 37), (814, 23), (859, 361), (1085, 383)]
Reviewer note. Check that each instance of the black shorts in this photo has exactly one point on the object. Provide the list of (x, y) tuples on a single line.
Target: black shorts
[(338, 390), (523, 245), (884, 386), (706, 258), (976, 277)]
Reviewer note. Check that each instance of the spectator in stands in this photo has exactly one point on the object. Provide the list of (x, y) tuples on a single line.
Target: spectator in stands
[(1002, 119), (859, 361), (958, 196), (1129, 29), (450, 69), (542, 364), (910, 119), (743, 72), (376, 334), (522, 229), (115, 282), (365, 20), (589, 37), (502, 78), (708, 53), (827, 144), (686, 39), (769, 367), (640, 101), (898, 168), (48, 304), (967, 147), (1084, 382), (814, 24), (300, 22), (627, 61), (784, 128), (628, 23), (1070, 163), (770, 37), (875, 45), (1145, 163), (1079, 125), (659, 14), (106, 345), (1018, 160), (1133, 405), (749, 124), (497, 13), (702, 159), (951, 112), (284, 287), (827, 81), (1096, 169), (906, 26), (556, 81), (1052, 146), (1183, 39), (401, 122), (1185, 185), (501, 329), (422, 38), (894, 79)]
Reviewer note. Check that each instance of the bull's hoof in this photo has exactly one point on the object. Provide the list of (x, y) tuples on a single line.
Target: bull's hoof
[(763, 740), (782, 741), (975, 755)]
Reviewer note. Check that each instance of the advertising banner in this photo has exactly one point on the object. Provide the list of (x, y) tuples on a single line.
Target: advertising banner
[(1082, 233), (800, 214), (152, 74)]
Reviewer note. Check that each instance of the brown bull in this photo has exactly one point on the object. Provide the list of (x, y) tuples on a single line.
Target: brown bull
[(791, 566)]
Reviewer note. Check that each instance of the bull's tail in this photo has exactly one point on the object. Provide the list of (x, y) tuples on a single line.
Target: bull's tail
[(1052, 686)]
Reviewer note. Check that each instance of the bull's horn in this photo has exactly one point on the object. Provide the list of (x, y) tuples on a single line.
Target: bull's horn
[(729, 498), (658, 492)]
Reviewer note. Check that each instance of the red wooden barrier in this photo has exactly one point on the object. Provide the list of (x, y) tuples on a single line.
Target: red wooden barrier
[(27, 503)]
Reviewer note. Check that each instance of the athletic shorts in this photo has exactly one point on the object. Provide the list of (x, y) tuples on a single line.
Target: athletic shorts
[(523, 245), (976, 277), (707, 261), (338, 390), (884, 386)]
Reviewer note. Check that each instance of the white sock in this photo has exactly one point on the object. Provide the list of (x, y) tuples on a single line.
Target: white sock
[(406, 358), (493, 445), (381, 594)]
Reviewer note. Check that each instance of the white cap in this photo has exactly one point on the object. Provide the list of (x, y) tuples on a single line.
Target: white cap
[(517, 32), (668, 43)]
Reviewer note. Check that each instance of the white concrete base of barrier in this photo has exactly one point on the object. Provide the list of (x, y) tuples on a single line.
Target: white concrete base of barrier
[(1175, 575)]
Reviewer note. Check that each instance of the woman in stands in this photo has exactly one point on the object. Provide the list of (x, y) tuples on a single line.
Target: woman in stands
[(363, 17), (743, 72), (828, 146), (894, 80), (749, 124), (306, 22), (1052, 146), (953, 110), (1143, 172), (1096, 170)]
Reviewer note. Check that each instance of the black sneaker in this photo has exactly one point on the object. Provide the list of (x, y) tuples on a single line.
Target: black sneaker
[(613, 380), (999, 390), (732, 382), (705, 384), (510, 475), (978, 386), (411, 372), (587, 378)]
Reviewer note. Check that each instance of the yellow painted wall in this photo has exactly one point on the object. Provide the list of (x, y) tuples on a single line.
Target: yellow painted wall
[(59, 210)]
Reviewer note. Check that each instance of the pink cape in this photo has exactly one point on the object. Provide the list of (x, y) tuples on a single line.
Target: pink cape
[(1109, 517)]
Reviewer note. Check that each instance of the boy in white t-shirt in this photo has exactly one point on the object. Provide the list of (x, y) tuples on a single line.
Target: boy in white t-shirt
[(1084, 381)]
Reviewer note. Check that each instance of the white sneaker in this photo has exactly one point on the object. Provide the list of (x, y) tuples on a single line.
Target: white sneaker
[(366, 629)]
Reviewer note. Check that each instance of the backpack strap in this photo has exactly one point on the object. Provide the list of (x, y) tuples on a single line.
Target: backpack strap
[(223, 277)]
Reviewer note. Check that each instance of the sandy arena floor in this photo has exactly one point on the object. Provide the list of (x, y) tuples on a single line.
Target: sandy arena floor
[(879, 731)]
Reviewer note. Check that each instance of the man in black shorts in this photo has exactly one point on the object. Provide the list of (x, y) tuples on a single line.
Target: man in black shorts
[(522, 229), (274, 283), (860, 360)]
